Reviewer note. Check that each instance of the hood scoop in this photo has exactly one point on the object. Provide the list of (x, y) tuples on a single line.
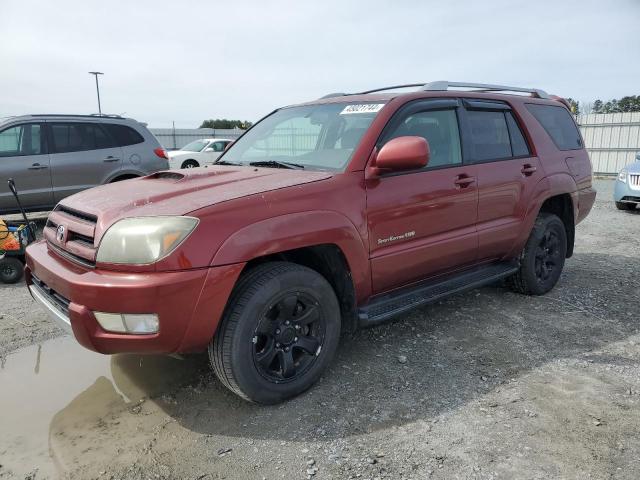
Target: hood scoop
[(166, 175)]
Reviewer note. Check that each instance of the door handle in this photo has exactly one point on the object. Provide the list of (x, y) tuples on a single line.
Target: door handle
[(463, 181), (111, 158), (37, 166), (528, 170)]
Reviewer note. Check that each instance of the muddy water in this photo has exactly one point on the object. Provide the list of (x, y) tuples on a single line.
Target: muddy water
[(47, 388)]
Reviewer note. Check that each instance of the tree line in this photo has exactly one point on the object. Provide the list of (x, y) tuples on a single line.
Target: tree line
[(630, 103), (226, 124)]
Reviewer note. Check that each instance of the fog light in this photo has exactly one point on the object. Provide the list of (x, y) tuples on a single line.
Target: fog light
[(135, 323)]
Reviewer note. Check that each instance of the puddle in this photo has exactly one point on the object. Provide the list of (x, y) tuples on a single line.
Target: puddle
[(44, 389)]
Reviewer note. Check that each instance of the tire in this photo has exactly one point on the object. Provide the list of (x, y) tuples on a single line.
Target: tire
[(542, 258), (11, 270), (190, 164), (625, 206), (279, 332)]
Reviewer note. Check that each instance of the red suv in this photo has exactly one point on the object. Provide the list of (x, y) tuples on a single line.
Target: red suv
[(323, 217)]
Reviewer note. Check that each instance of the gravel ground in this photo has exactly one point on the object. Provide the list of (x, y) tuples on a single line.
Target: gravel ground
[(487, 384)]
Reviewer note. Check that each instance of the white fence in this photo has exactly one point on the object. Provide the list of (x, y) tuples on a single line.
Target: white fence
[(172, 139), (612, 139)]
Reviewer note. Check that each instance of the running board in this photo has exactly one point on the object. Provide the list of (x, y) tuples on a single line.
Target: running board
[(399, 301)]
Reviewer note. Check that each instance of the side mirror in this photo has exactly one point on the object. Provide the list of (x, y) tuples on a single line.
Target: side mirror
[(403, 153), (208, 149)]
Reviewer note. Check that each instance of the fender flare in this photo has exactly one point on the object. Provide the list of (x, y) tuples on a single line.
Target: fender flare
[(299, 230), (122, 172), (549, 186)]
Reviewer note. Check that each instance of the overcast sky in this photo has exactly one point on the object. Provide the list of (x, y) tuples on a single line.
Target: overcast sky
[(186, 60)]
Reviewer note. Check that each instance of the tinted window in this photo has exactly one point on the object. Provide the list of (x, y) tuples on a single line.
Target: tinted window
[(489, 135), (22, 140), (78, 137), (218, 146), (123, 135), (440, 129), (518, 143), (559, 125)]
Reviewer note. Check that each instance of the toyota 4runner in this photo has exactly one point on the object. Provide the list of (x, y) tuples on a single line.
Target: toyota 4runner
[(323, 217)]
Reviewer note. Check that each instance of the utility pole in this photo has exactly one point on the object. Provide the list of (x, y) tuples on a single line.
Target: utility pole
[(97, 89)]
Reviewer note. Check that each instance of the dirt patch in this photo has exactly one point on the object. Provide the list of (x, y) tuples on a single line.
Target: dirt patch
[(488, 384)]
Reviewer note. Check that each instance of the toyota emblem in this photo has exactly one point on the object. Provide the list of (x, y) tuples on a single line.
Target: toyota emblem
[(60, 233)]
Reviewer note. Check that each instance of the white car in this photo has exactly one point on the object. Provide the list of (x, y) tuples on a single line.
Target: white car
[(198, 153)]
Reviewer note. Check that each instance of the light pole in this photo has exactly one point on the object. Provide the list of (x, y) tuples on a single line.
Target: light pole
[(98, 89)]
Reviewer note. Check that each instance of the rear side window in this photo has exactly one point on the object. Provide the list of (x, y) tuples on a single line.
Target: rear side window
[(79, 137), (518, 143), (558, 124), (123, 135), (489, 135), (22, 140)]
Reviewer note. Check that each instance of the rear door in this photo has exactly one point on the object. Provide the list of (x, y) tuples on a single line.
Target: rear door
[(24, 157), (83, 155), (507, 173), (422, 222)]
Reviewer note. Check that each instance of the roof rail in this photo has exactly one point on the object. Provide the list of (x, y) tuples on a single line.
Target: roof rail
[(408, 85), (443, 85), (91, 115)]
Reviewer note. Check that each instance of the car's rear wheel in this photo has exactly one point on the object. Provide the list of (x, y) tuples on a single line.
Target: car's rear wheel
[(543, 257), (625, 206), (190, 164), (11, 270), (279, 332)]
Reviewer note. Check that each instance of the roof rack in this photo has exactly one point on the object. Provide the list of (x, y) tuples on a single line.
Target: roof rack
[(408, 85), (443, 85), (92, 115)]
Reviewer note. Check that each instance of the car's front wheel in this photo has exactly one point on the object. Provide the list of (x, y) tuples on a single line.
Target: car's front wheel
[(543, 257), (190, 164), (279, 332)]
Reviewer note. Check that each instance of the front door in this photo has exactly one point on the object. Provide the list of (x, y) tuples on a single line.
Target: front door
[(83, 155), (24, 157), (423, 223)]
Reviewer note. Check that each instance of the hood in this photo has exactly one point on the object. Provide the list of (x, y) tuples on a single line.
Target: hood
[(180, 192)]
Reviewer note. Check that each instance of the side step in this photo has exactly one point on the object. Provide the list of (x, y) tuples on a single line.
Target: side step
[(399, 301)]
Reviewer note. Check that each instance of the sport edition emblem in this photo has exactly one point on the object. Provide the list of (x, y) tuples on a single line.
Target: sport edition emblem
[(60, 233)]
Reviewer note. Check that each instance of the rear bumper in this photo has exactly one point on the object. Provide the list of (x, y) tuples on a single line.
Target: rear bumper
[(188, 303), (586, 199)]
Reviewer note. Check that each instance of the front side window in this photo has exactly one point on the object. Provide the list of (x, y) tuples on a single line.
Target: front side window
[(557, 122), (440, 129), (218, 146), (21, 140), (321, 137), (489, 135)]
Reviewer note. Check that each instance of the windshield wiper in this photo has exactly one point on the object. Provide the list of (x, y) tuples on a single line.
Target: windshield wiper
[(277, 164), (224, 162)]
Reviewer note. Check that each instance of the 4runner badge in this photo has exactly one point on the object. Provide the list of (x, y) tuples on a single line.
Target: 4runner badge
[(393, 238), (60, 233)]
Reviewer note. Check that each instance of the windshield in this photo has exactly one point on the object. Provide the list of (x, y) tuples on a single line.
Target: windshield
[(196, 146), (316, 137)]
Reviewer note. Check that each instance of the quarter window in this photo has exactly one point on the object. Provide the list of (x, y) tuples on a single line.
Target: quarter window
[(558, 124), (518, 143), (22, 140), (440, 129), (123, 135)]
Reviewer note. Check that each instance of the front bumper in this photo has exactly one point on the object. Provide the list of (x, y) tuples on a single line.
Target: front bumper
[(189, 303), (622, 192)]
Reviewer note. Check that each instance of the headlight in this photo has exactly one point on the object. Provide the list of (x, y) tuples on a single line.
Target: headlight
[(142, 240), (622, 176)]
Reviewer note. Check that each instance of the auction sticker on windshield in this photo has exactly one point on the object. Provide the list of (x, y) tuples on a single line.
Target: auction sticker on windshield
[(362, 108)]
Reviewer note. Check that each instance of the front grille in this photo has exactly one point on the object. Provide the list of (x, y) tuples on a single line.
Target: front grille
[(634, 181), (54, 297), (77, 244)]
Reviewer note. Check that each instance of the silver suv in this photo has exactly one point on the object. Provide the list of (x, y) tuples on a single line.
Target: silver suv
[(53, 156)]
